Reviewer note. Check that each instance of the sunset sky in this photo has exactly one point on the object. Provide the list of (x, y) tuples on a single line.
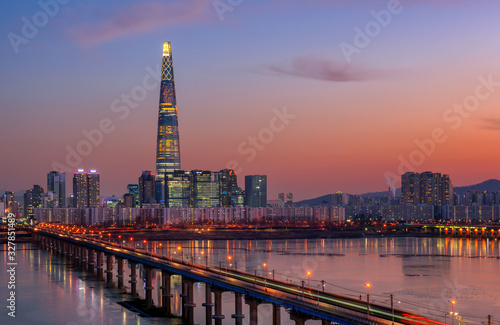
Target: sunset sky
[(365, 86)]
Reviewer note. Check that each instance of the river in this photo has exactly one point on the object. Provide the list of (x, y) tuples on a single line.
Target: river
[(422, 274)]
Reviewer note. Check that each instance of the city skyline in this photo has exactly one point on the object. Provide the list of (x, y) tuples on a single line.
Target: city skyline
[(372, 91)]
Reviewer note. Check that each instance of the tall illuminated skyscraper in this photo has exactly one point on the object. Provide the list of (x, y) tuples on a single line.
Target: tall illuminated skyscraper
[(256, 191), (56, 183), (94, 187), (86, 189), (168, 158)]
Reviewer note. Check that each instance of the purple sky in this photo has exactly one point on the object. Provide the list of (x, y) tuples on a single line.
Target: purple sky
[(365, 86)]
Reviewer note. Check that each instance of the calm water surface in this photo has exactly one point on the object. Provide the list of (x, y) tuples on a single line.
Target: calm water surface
[(423, 274)]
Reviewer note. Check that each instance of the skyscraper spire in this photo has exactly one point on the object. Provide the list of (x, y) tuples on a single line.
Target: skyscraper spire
[(168, 157)]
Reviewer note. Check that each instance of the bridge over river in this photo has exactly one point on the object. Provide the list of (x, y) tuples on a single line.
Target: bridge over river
[(302, 302)]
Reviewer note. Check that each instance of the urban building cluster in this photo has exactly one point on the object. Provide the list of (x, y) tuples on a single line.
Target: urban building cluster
[(426, 188), (202, 197), (196, 189)]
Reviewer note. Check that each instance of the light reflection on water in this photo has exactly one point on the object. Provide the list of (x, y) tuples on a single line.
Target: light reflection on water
[(422, 273)]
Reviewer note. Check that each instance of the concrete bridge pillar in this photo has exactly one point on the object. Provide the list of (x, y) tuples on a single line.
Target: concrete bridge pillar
[(90, 259), (183, 296), (149, 287), (254, 309), (109, 269), (73, 252), (133, 281), (83, 256), (120, 272), (238, 309), (218, 306), (299, 319), (166, 295), (189, 300), (99, 267), (208, 305), (276, 314)]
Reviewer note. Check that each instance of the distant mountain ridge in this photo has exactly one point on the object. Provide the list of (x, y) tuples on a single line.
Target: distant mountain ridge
[(491, 185)]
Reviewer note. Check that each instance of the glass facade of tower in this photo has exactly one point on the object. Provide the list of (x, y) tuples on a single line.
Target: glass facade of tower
[(147, 187), (178, 189), (56, 183), (205, 189), (227, 184), (167, 147), (256, 191)]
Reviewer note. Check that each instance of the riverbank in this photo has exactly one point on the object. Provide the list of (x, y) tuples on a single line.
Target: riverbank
[(264, 234)]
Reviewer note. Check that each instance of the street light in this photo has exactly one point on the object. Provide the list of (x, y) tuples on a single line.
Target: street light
[(367, 298), (179, 248), (265, 276), (308, 273), (446, 315), (453, 302)]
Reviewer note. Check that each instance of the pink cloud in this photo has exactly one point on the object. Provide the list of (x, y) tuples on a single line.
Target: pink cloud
[(142, 18), (324, 69)]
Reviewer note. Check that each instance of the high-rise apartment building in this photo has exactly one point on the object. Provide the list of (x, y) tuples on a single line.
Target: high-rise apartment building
[(410, 188), (168, 157), (80, 189), (426, 188), (10, 202), (340, 198), (56, 184), (147, 188), (289, 198), (228, 183), (86, 189), (205, 189), (256, 190), (133, 189), (94, 188), (32, 200), (178, 189), (159, 183)]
